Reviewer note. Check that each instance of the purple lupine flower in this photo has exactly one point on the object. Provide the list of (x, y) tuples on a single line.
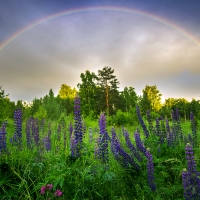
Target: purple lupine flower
[(28, 133), (198, 183), (115, 144), (146, 132), (17, 139), (104, 138), (120, 155), (47, 139), (70, 128), (139, 143), (190, 159), (149, 119), (167, 127), (172, 139), (3, 138), (176, 128), (186, 185), (35, 131), (131, 146), (78, 132), (47, 143), (193, 189), (180, 134), (194, 130), (158, 130), (168, 132), (58, 193), (150, 170)]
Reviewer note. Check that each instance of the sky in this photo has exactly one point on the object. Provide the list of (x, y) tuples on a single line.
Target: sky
[(44, 44)]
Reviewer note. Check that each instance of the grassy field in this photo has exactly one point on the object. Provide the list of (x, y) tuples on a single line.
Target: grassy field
[(40, 165)]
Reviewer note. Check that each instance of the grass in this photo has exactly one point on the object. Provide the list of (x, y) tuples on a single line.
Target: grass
[(24, 171)]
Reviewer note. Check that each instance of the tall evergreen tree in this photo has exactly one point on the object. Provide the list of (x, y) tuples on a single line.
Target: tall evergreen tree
[(87, 91), (109, 85)]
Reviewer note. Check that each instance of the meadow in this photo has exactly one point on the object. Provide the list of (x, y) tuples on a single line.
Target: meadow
[(77, 158)]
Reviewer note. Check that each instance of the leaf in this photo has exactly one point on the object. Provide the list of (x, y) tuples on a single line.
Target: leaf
[(108, 177), (61, 181)]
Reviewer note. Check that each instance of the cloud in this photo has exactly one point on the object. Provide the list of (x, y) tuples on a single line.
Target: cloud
[(141, 51)]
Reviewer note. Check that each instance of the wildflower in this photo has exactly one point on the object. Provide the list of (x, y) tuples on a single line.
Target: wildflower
[(150, 169), (149, 119), (120, 155), (28, 132), (58, 193), (194, 130), (190, 177), (3, 137), (131, 146), (186, 184), (18, 127), (49, 186), (103, 139), (139, 143), (43, 189), (78, 132), (146, 132)]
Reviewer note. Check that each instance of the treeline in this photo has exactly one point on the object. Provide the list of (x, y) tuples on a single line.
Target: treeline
[(100, 92)]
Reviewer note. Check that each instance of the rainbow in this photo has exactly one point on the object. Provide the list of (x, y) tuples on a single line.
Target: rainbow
[(95, 9)]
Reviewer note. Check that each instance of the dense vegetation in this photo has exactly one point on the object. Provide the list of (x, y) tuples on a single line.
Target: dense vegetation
[(100, 93), (99, 143)]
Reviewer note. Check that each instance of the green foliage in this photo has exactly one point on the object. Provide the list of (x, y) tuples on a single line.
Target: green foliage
[(6, 106), (130, 98), (24, 172), (51, 105), (67, 92), (41, 113), (151, 99)]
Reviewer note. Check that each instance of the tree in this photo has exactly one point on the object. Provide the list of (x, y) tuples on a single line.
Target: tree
[(194, 107), (41, 113), (182, 105), (67, 92), (3, 98), (151, 98), (51, 106), (88, 92), (167, 107), (109, 85), (35, 106), (130, 98)]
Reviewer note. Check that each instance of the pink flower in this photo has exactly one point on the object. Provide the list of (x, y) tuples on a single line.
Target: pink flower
[(42, 190), (58, 193), (49, 186)]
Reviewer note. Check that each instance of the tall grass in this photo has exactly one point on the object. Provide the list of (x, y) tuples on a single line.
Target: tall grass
[(25, 170)]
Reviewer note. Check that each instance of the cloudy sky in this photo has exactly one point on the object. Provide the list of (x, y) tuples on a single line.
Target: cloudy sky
[(44, 44)]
